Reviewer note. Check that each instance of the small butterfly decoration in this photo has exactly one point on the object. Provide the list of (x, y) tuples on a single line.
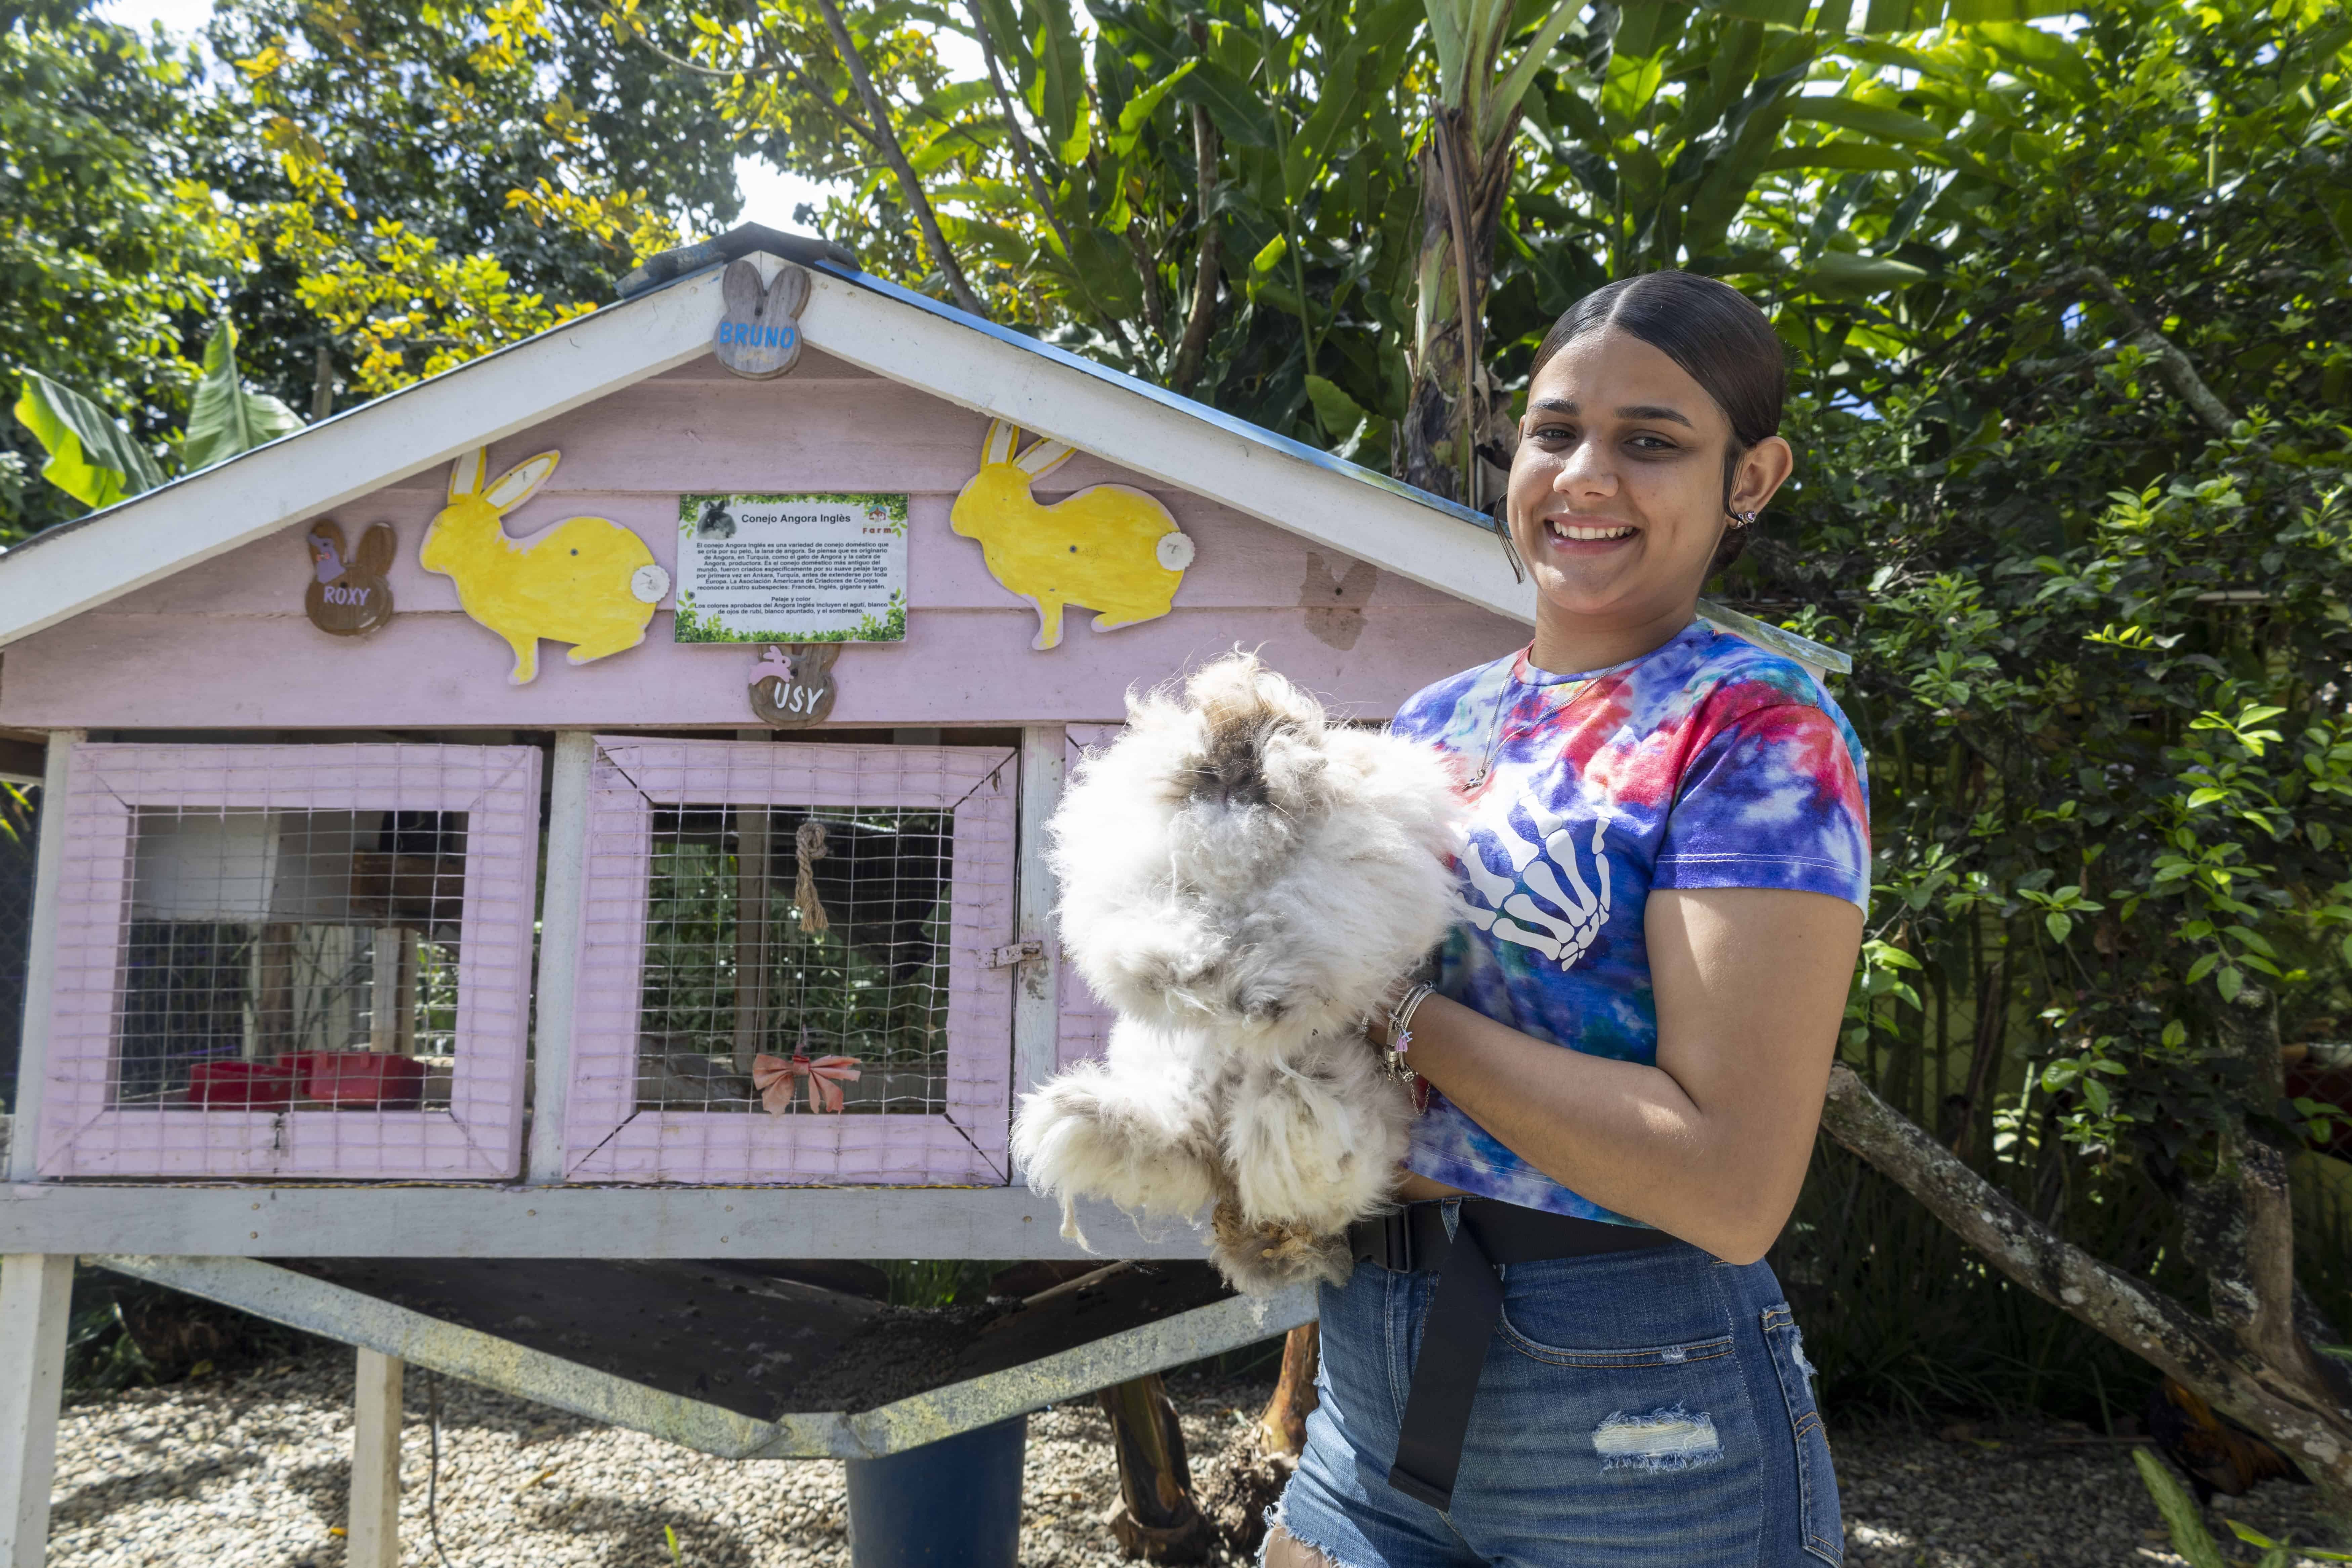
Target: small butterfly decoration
[(759, 335)]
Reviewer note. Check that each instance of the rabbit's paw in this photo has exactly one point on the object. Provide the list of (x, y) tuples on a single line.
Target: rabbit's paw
[(1091, 1133), (1316, 1142), (1258, 1259)]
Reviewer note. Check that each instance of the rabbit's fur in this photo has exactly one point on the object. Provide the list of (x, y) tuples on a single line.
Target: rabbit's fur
[(1244, 881)]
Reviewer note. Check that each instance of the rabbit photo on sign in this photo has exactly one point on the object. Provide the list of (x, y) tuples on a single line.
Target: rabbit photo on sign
[(1245, 881), (587, 580), (1111, 548)]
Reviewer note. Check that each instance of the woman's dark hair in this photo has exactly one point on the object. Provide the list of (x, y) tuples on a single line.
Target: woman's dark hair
[(1711, 330)]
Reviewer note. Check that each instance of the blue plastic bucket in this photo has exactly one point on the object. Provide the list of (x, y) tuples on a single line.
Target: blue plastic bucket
[(956, 1501)]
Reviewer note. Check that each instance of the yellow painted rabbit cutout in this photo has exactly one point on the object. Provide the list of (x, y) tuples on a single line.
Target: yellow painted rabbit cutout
[(1111, 548), (587, 580)]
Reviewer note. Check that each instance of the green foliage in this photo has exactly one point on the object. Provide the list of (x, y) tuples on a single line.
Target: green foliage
[(225, 418), (97, 462), (90, 457), (102, 271), (2190, 1536), (2079, 502)]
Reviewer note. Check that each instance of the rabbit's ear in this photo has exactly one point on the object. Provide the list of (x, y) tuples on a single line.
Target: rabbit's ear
[(998, 447), (1044, 458), (514, 486), (377, 549), (788, 293), (740, 288), (818, 658), (465, 473)]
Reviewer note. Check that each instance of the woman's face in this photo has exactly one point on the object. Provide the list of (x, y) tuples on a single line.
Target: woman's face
[(1616, 492)]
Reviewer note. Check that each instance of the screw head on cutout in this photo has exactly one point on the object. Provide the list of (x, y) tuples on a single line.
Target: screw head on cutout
[(1174, 551)]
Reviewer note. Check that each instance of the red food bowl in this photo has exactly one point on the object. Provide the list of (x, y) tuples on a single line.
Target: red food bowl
[(366, 1078), (243, 1086)]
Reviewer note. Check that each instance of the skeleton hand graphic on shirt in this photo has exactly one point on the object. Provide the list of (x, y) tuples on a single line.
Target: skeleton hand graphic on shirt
[(1501, 905)]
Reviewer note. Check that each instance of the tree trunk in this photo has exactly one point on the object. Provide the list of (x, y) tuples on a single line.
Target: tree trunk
[(1451, 411), (2252, 1358), (1155, 1518)]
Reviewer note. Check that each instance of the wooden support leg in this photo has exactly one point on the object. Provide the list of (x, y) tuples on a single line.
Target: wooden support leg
[(1156, 1519), (374, 1529), (36, 1289)]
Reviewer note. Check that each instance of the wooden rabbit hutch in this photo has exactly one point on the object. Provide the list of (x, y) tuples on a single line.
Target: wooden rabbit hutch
[(368, 929)]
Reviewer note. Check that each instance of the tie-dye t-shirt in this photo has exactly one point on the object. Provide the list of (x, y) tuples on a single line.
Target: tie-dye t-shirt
[(1707, 762)]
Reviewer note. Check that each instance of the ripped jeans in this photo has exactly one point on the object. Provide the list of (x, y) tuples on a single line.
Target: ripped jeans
[(1635, 1407)]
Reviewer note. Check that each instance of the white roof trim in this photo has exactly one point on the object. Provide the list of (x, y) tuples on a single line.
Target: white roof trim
[(88, 563), (97, 559)]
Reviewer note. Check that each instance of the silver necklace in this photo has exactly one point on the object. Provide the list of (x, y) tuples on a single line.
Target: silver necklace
[(1494, 731)]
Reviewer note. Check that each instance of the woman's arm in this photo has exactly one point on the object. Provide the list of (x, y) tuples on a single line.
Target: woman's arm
[(1710, 1145)]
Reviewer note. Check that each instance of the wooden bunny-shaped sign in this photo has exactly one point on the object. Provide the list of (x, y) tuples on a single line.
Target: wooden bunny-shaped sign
[(348, 596), (587, 580), (759, 338), (792, 688), (1111, 548)]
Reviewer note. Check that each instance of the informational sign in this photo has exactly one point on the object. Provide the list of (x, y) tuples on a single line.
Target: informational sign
[(792, 568)]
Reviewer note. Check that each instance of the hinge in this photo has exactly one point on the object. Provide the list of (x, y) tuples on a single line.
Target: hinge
[(1018, 953)]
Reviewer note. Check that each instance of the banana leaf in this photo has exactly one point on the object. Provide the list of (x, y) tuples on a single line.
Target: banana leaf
[(225, 418), (92, 458)]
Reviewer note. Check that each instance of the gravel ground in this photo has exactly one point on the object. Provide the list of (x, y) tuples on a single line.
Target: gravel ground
[(252, 1470)]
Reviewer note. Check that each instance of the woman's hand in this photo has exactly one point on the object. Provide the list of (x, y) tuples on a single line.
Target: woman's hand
[(1710, 1145)]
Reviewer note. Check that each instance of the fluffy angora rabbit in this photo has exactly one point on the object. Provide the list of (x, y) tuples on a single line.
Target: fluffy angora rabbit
[(1244, 881)]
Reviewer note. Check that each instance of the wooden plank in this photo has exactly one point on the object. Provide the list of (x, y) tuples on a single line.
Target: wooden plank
[(372, 1539), (255, 1221), (1036, 1009), (559, 952), (1238, 561), (35, 1294), (956, 668), (88, 562), (751, 858), (41, 959)]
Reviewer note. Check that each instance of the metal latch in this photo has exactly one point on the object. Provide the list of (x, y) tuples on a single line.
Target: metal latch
[(1018, 953)]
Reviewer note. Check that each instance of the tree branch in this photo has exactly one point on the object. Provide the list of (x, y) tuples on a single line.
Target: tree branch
[(2290, 1402), (885, 140), (1208, 270), (1021, 148), (2178, 368)]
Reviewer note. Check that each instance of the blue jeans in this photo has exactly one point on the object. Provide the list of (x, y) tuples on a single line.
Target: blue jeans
[(1648, 1407)]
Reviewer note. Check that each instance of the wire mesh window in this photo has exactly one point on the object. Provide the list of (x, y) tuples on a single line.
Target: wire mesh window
[(308, 960), (789, 933), (787, 972)]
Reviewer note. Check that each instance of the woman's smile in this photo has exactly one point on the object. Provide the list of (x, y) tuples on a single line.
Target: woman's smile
[(1581, 536)]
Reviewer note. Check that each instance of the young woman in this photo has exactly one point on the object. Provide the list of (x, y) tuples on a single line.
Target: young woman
[(1566, 1350)]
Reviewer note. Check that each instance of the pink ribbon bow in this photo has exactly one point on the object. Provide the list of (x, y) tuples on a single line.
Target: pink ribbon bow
[(774, 1077)]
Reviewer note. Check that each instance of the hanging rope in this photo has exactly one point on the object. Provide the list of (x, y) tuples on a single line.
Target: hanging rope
[(808, 843)]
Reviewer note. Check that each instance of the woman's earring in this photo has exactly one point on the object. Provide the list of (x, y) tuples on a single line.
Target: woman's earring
[(1744, 520)]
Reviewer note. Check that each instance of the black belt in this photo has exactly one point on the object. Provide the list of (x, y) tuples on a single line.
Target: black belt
[(1465, 1310)]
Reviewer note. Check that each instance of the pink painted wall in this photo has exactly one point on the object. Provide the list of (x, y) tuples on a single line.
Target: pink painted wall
[(226, 644)]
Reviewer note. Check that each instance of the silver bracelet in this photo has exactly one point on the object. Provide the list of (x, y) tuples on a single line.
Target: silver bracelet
[(1400, 1017)]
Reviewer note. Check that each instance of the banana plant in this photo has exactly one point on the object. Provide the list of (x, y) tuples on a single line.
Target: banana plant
[(97, 461), (1661, 128)]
